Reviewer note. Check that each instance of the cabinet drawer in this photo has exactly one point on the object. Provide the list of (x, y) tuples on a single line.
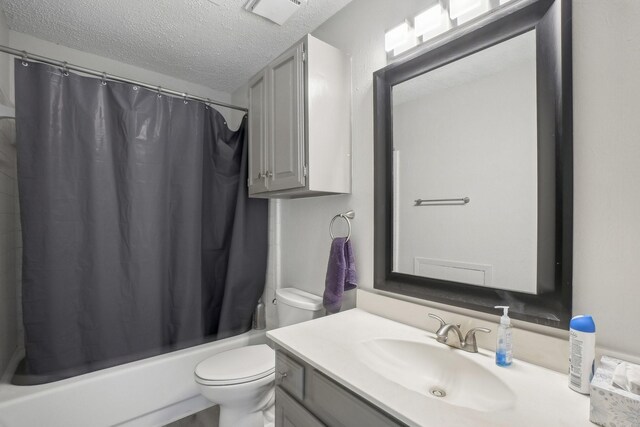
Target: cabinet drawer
[(290, 375), (339, 408), (290, 413)]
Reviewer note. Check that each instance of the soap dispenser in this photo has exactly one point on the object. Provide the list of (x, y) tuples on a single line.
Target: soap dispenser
[(504, 344)]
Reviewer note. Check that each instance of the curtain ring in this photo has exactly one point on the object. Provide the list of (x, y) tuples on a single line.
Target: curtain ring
[(159, 91), (206, 104), (25, 56), (184, 98), (65, 70), (104, 79), (343, 216)]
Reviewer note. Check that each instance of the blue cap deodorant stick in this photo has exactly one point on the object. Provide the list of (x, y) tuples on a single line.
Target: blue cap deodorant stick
[(582, 352)]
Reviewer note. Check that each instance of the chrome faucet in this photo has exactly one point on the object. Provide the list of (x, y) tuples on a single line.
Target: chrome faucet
[(466, 343)]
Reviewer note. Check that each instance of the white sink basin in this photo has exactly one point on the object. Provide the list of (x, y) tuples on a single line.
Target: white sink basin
[(438, 372), (395, 366)]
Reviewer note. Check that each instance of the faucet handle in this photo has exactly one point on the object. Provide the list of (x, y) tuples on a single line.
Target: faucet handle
[(438, 318), (470, 343), (472, 332)]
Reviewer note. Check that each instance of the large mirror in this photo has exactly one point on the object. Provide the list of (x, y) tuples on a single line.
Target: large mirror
[(473, 166)]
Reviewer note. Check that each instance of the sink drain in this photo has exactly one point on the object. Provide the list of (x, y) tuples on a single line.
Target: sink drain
[(437, 392)]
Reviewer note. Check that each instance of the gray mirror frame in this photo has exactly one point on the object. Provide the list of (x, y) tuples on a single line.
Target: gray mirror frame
[(552, 21)]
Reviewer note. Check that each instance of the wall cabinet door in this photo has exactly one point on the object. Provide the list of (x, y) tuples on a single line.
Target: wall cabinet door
[(286, 145), (257, 181), (276, 124)]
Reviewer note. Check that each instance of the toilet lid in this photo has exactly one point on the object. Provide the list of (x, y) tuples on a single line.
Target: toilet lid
[(236, 366)]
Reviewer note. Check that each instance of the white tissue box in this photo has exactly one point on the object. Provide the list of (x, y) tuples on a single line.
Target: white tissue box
[(612, 406)]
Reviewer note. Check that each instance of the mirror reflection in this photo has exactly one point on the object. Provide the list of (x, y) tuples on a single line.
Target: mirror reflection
[(466, 173)]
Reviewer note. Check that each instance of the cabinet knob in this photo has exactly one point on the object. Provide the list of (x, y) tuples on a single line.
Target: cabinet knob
[(269, 174), (262, 175), (280, 377)]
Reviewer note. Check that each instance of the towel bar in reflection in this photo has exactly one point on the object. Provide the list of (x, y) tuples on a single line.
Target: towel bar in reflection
[(441, 202), (347, 216)]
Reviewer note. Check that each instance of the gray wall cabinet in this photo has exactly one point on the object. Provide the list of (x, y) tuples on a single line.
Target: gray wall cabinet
[(305, 397), (300, 123)]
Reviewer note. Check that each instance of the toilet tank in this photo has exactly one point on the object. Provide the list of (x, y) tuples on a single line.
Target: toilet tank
[(295, 306)]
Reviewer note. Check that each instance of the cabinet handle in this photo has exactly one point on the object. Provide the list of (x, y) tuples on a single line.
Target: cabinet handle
[(280, 377)]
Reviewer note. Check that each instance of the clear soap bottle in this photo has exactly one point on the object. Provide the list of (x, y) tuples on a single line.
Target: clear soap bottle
[(504, 344)]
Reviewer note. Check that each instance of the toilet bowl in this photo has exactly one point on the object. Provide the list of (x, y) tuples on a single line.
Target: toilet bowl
[(242, 380)]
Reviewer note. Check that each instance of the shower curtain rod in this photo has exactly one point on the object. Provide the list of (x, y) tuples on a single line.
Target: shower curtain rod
[(28, 56)]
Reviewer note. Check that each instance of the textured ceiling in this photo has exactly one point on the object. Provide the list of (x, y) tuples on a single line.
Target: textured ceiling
[(212, 42)]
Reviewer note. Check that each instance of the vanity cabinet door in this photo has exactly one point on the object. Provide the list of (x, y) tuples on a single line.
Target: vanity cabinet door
[(340, 408), (290, 413), (290, 376), (320, 399)]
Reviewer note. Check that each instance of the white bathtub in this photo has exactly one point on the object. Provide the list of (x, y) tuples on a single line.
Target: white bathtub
[(148, 392)]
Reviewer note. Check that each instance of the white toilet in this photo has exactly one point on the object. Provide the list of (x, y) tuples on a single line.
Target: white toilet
[(241, 380)]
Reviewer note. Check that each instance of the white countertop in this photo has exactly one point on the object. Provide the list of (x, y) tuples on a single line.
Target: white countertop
[(331, 345)]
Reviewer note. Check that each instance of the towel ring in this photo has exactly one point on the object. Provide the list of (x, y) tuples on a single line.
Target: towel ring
[(346, 216)]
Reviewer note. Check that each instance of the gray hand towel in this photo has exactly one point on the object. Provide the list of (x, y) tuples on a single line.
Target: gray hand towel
[(341, 274)]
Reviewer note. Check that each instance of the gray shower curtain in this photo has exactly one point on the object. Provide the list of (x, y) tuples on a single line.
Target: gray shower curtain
[(138, 235)]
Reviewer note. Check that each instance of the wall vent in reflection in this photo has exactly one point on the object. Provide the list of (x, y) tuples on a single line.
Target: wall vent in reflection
[(454, 271)]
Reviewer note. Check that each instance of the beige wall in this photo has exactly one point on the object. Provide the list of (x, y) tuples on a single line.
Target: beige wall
[(607, 155)]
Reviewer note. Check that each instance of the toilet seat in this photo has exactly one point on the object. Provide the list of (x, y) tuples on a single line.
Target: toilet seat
[(237, 366)]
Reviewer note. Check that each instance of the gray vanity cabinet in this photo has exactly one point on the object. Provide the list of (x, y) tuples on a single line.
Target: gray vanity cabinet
[(306, 397), (299, 123), (290, 413)]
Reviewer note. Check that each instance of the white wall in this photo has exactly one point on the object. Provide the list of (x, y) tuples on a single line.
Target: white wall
[(357, 30), (299, 229), (607, 155), (606, 99)]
